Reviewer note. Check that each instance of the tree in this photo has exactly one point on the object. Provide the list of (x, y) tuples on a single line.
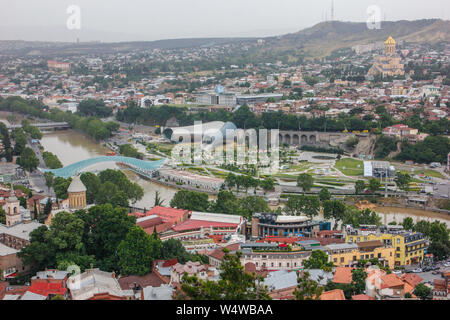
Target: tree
[(250, 205), (324, 194), (60, 244), (408, 223), (305, 181), (190, 200), (136, 253), (374, 185), (267, 184), (226, 203), (28, 159), (356, 217), (358, 281), (234, 283), (49, 176), (47, 210), (307, 289), (422, 291), (306, 205), (105, 227), (158, 200), (334, 209), (230, 180), (360, 186), (60, 185), (318, 260), (402, 180)]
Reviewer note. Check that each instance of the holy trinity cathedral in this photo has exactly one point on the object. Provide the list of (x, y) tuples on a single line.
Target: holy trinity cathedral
[(389, 64)]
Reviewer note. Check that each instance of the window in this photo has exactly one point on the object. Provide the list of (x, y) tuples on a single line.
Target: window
[(379, 255), (354, 258), (335, 260), (398, 241), (342, 259)]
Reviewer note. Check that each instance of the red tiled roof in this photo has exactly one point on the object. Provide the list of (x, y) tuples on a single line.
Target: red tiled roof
[(336, 294), (218, 253), (168, 214), (151, 279), (391, 280), (46, 288), (412, 278), (197, 224), (343, 275), (362, 297)]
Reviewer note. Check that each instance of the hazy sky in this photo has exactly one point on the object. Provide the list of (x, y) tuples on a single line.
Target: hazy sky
[(120, 20)]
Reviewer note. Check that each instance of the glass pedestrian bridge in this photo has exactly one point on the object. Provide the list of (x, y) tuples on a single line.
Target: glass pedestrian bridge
[(74, 168)]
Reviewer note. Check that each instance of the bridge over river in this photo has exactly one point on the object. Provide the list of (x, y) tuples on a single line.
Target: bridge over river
[(142, 167)]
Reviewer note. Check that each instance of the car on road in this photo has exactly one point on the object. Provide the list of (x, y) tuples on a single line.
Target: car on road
[(435, 272)]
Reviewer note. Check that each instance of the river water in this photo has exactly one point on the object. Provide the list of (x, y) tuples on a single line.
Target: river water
[(71, 147)]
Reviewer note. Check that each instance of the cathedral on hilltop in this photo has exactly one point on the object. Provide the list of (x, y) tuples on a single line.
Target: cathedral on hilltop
[(389, 64)]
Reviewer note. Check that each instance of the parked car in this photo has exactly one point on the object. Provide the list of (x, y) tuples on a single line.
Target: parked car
[(397, 272), (435, 272), (417, 270), (447, 264)]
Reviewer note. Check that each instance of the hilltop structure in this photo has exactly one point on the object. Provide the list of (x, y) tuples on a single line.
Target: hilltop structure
[(389, 64)]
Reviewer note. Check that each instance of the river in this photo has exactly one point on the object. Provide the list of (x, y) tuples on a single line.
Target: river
[(71, 147)]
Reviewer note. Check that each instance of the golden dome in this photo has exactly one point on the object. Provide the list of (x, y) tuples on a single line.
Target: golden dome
[(390, 40)]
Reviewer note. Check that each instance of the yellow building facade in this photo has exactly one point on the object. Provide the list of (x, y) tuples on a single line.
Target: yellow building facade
[(346, 255), (409, 248)]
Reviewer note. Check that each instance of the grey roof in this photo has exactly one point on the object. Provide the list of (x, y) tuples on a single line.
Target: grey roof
[(54, 274), (33, 296), (281, 279), (5, 250), (164, 292), (320, 276), (76, 185), (342, 246), (21, 230), (11, 297)]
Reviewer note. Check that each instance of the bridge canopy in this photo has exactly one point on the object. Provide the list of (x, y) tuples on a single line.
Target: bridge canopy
[(75, 168)]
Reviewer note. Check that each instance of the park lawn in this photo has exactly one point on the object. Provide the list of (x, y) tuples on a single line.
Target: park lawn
[(218, 174), (351, 167), (426, 172)]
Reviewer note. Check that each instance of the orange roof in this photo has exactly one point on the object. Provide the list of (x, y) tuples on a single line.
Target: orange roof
[(336, 294), (343, 275), (391, 280), (412, 279), (362, 297)]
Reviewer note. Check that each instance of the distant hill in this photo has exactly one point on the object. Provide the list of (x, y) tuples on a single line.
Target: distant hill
[(325, 37), (319, 40)]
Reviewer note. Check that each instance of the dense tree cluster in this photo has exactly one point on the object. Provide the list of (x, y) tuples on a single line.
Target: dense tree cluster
[(51, 160), (92, 126), (234, 283), (226, 202), (102, 236), (432, 149)]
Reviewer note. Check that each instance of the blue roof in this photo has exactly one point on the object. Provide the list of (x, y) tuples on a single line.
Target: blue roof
[(74, 168)]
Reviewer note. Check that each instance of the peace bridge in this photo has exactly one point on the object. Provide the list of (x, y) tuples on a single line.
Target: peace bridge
[(143, 167)]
